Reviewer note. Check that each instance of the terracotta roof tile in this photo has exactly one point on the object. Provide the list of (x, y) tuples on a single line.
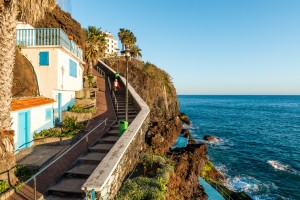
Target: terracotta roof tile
[(18, 104)]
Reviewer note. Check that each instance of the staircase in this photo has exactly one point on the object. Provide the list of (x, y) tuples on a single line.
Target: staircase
[(69, 185)]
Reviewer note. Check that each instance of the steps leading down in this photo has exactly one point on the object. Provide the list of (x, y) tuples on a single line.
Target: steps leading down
[(69, 185)]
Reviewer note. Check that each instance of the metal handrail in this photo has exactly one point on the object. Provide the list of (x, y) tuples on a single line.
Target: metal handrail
[(221, 191), (115, 102), (85, 137), (100, 71)]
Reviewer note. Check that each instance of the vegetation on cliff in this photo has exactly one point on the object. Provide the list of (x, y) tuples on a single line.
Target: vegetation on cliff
[(149, 179), (154, 85)]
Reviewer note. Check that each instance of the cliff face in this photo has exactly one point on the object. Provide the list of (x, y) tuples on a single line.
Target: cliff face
[(152, 84), (57, 18), (24, 81)]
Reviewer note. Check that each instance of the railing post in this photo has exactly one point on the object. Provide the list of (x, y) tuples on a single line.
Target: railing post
[(87, 142), (34, 185)]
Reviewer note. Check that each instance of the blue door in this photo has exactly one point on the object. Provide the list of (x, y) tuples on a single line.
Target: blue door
[(59, 107), (23, 130)]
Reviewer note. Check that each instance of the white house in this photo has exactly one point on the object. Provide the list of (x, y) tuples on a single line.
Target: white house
[(111, 44), (57, 62), (30, 115)]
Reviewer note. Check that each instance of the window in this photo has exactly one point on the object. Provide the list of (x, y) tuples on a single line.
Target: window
[(44, 58), (48, 114), (72, 68)]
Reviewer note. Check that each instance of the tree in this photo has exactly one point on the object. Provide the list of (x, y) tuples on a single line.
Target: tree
[(127, 37), (95, 45), (29, 11), (136, 51)]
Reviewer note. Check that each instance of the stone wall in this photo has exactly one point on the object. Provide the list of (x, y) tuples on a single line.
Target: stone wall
[(109, 175)]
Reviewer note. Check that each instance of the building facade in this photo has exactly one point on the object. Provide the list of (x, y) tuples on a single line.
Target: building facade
[(30, 115), (57, 62), (111, 45)]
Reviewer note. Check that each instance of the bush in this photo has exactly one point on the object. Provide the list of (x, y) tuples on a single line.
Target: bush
[(157, 169), (24, 173), (69, 128), (78, 109), (3, 186), (140, 188)]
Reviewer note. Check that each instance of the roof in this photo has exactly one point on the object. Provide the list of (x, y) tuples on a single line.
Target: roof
[(19, 104)]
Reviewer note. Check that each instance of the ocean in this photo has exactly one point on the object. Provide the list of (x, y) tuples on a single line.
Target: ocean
[(259, 146)]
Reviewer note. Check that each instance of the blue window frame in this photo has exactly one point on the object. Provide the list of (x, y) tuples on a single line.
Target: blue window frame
[(72, 68), (48, 114), (44, 58)]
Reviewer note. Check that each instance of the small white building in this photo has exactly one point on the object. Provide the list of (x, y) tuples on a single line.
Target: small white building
[(30, 115), (111, 45), (57, 62)]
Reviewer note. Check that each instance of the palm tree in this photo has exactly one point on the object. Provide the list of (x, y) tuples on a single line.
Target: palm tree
[(29, 11), (136, 51), (95, 45), (127, 37)]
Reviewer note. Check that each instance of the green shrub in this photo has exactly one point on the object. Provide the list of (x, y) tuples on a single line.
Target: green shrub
[(78, 109), (24, 173), (140, 188), (157, 170), (69, 128), (3, 186)]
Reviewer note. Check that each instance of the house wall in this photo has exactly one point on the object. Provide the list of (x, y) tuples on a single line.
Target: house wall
[(37, 121), (46, 75), (23, 25), (65, 81), (55, 78)]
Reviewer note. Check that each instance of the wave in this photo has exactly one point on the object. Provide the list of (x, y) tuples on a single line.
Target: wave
[(277, 165), (218, 143), (243, 184)]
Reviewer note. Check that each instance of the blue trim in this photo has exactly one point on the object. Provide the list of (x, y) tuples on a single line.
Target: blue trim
[(59, 97), (63, 108), (48, 114), (72, 68), (44, 58), (23, 132)]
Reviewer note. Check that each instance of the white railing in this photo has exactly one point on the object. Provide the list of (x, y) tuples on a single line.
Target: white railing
[(47, 37), (110, 173)]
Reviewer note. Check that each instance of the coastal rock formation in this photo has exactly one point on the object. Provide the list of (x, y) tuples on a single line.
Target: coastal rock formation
[(58, 18), (152, 84), (210, 138)]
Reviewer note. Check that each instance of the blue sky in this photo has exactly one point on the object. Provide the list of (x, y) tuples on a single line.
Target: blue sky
[(210, 46)]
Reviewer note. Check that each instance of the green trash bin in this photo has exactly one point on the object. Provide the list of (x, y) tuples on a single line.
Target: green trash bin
[(117, 75), (122, 126)]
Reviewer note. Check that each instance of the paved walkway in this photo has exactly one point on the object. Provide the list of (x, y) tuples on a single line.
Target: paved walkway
[(210, 191), (105, 110)]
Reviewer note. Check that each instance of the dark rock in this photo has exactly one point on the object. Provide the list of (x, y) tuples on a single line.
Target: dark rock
[(210, 138)]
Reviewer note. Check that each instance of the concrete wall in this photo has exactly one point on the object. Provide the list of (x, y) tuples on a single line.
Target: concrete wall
[(108, 177), (37, 121)]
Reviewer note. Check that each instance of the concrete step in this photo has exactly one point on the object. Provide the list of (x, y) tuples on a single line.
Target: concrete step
[(102, 148), (129, 116), (54, 197), (92, 157), (82, 169), (68, 186), (130, 112), (109, 139), (114, 131)]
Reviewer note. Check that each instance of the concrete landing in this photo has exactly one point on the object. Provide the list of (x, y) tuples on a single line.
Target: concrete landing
[(210, 191), (41, 155), (61, 198)]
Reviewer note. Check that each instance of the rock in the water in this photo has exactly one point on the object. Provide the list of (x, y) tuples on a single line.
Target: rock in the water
[(210, 138)]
